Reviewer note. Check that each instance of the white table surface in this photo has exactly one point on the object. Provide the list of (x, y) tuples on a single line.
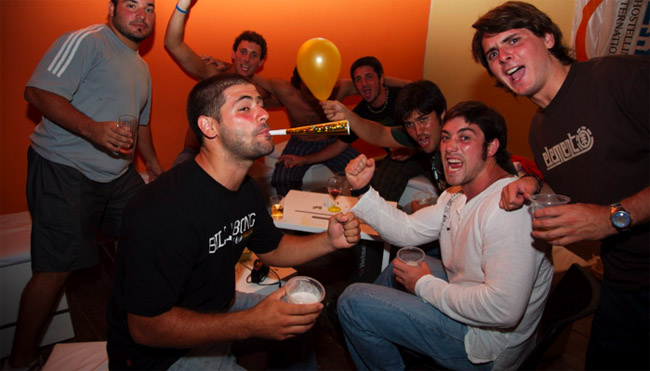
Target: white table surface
[(307, 212), (270, 284)]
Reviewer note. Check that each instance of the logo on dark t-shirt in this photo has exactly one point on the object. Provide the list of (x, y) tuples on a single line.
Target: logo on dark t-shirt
[(235, 232), (573, 146)]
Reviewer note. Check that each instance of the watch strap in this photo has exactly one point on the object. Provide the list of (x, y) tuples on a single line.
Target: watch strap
[(540, 182)]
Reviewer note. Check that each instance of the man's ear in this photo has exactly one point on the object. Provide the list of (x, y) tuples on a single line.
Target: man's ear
[(549, 40), (111, 9), (493, 147), (208, 126)]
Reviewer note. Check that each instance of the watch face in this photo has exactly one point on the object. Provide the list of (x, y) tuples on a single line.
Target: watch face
[(621, 219)]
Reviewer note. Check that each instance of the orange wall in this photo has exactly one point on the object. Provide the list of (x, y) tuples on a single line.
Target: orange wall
[(395, 31)]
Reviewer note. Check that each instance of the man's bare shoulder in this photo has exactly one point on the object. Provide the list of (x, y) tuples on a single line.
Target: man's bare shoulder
[(281, 88)]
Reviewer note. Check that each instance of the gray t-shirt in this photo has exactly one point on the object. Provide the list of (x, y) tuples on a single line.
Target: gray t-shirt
[(103, 79)]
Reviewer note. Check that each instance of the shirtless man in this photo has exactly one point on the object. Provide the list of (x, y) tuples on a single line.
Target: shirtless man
[(248, 56), (302, 152), (304, 109)]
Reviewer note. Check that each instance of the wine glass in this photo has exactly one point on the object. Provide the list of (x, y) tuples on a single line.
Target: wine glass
[(334, 187)]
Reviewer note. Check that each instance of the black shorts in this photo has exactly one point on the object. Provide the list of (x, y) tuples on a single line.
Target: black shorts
[(67, 209)]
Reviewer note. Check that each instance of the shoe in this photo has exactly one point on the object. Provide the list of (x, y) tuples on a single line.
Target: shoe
[(35, 365)]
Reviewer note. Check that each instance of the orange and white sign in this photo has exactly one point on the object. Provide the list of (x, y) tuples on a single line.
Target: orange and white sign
[(606, 27)]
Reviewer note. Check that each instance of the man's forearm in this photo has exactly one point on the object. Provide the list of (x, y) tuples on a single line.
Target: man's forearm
[(147, 150), (638, 205), (372, 132), (175, 33), (190, 61), (329, 152), (296, 250), (59, 110), (184, 328)]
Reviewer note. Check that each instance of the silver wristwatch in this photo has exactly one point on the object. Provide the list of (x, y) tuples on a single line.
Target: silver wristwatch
[(621, 219)]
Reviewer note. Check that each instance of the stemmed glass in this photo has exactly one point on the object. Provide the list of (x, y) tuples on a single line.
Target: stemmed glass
[(334, 187)]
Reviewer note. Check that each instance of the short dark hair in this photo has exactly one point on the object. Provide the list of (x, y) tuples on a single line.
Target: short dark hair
[(491, 123), (422, 96), (367, 61), (512, 15), (206, 99), (254, 37), (296, 80)]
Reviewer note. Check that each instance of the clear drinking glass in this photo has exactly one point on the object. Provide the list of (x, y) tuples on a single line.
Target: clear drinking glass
[(130, 123), (277, 207), (304, 290), (334, 187), (410, 255)]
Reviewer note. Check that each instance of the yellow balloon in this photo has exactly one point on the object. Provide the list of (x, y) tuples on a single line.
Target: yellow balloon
[(319, 64)]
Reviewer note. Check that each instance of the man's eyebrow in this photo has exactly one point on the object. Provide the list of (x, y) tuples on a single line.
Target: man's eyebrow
[(505, 40), (466, 129), (509, 37), (460, 130), (256, 98), (244, 97)]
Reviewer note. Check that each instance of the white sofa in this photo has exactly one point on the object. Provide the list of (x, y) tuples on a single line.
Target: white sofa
[(15, 272)]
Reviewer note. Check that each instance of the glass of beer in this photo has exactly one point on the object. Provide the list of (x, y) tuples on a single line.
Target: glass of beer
[(304, 290), (129, 123), (542, 200), (411, 255), (277, 207)]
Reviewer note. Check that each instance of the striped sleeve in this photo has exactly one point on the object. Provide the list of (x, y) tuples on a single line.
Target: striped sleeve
[(65, 64)]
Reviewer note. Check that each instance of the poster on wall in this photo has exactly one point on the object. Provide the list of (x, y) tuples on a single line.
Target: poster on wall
[(606, 27)]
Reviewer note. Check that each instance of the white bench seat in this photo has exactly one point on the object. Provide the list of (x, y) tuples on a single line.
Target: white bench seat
[(15, 272)]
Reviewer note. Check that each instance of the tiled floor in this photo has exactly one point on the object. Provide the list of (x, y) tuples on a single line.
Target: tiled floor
[(88, 293)]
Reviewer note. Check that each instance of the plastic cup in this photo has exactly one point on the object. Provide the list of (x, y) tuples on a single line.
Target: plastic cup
[(542, 200), (410, 255), (130, 123), (277, 207), (304, 290), (422, 199)]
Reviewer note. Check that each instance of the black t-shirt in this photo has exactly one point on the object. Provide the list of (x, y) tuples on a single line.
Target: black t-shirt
[(591, 143), (386, 117), (181, 238)]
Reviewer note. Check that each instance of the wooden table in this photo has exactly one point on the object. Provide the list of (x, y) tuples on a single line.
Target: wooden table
[(307, 212)]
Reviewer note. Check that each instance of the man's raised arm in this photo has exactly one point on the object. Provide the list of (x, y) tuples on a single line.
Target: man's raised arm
[(189, 60), (370, 131)]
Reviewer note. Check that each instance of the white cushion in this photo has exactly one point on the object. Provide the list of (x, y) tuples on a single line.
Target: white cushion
[(15, 238), (78, 356)]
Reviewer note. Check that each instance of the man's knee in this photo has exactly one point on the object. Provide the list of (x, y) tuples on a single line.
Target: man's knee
[(349, 301)]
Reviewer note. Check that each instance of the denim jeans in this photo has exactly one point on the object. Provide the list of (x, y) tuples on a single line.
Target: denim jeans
[(378, 317), (293, 354)]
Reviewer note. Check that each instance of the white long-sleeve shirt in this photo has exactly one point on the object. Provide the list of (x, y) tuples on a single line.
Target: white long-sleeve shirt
[(498, 278)]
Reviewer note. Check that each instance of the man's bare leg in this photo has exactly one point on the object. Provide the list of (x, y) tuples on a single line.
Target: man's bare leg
[(36, 304)]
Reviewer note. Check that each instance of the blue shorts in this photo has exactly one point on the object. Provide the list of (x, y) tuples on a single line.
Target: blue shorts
[(68, 209)]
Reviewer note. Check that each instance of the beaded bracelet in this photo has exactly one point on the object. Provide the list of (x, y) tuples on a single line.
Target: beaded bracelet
[(540, 182), (181, 10)]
